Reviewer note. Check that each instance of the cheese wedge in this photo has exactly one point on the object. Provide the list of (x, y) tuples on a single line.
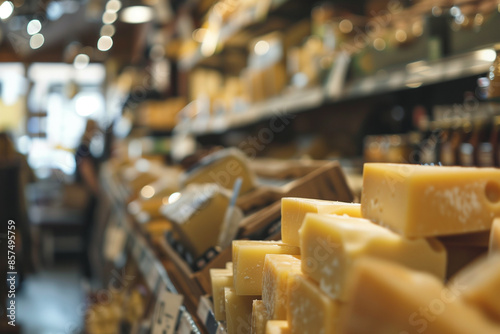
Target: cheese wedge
[(310, 311), (423, 201), (277, 268), (386, 297), (495, 237), (480, 285), (259, 317), (221, 279), (277, 327), (330, 244), (248, 263), (238, 312), (293, 211)]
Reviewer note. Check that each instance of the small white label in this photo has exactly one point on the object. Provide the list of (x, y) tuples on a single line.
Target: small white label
[(166, 312), (203, 308), (184, 326), (115, 243)]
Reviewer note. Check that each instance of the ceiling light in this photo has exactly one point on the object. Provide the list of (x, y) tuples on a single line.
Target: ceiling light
[(6, 10), (136, 14), (81, 61), (104, 43), (108, 30), (261, 48), (36, 41), (34, 27), (108, 17), (113, 6)]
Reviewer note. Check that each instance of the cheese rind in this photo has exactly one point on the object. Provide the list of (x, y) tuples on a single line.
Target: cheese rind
[(330, 244), (221, 279), (277, 268), (310, 311), (386, 297), (422, 201), (238, 312), (480, 285), (494, 246), (259, 317), (293, 211), (248, 263), (277, 327)]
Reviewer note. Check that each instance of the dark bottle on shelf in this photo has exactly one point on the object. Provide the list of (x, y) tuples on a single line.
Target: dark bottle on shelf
[(465, 139), (483, 156), (446, 153), (495, 141)]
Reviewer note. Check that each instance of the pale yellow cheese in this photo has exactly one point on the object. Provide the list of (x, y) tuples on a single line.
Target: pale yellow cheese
[(310, 311), (248, 263), (422, 201), (229, 265), (259, 317), (277, 327), (277, 268), (197, 216), (222, 167), (238, 312), (330, 244), (495, 237), (293, 211), (386, 297), (220, 278), (480, 285)]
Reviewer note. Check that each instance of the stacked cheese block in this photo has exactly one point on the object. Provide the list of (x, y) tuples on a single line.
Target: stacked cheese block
[(375, 267)]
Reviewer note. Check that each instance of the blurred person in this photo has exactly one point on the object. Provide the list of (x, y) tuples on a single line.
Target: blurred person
[(87, 175)]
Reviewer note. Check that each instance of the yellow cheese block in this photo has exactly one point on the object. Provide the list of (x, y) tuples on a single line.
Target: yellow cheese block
[(495, 237), (238, 312), (220, 278), (293, 211), (480, 285), (277, 268), (248, 263), (222, 167), (310, 311), (229, 265), (277, 327), (386, 297), (330, 244), (422, 201), (197, 216), (259, 317)]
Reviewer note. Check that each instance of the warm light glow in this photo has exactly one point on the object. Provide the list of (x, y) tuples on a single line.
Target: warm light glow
[(36, 41), (345, 26), (199, 34), (136, 14), (417, 29), (81, 61), (414, 84), (209, 43), (147, 191), (34, 27), (134, 207), (174, 197), (6, 10), (379, 44), (109, 17), (108, 30), (488, 55), (261, 48), (113, 6), (401, 35), (104, 43)]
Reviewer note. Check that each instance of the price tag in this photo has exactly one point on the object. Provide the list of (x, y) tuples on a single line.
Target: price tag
[(114, 246), (166, 312), (203, 309), (184, 326)]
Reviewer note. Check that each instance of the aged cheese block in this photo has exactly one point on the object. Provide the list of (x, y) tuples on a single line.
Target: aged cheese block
[(238, 312), (277, 327), (293, 211), (259, 317), (421, 201), (197, 216), (248, 263), (220, 278), (480, 285), (385, 297), (222, 167), (310, 311), (495, 237), (277, 268), (330, 244)]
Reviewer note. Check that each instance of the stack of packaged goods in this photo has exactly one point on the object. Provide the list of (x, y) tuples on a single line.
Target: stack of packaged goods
[(382, 266)]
